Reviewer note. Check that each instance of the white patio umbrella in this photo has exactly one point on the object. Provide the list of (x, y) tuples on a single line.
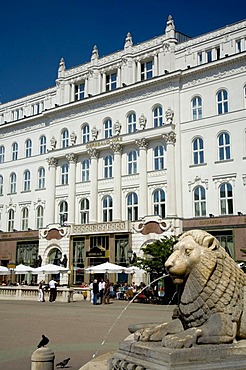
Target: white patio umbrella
[(50, 269), (23, 269), (106, 267), (4, 270), (134, 269)]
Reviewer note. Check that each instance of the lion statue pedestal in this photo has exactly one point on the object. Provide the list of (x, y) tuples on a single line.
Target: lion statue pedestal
[(209, 322)]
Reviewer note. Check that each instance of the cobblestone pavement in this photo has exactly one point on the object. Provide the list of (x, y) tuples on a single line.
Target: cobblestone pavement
[(77, 330)]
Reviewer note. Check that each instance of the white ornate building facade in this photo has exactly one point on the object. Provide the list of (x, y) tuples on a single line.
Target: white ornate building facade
[(145, 142)]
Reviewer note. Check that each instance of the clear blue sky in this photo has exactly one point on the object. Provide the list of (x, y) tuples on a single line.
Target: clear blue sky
[(35, 34)]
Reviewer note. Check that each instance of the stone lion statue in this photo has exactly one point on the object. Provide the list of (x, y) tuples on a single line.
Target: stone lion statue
[(211, 295)]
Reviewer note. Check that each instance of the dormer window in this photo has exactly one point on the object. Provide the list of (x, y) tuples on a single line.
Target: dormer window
[(111, 81), (79, 93), (147, 70)]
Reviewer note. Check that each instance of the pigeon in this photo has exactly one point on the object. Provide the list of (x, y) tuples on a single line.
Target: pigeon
[(43, 341), (63, 363)]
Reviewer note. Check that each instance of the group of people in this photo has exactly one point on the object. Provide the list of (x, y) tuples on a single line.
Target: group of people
[(42, 287), (100, 290)]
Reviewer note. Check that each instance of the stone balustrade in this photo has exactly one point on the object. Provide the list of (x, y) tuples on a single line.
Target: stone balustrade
[(25, 292)]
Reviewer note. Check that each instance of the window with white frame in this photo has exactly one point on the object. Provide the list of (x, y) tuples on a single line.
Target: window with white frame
[(147, 70), (38, 107), (64, 174), (157, 116), (199, 58), (209, 56), (111, 81), (12, 183), (238, 46), (40, 217), (222, 102), (159, 157), (131, 123), (63, 212), (159, 201), (79, 91), (85, 170), (196, 106), (1, 185), (11, 219), (132, 162), (224, 146), (226, 199), (132, 207), (199, 198), (41, 178), (107, 208), (17, 114), (108, 131), (24, 218), (84, 211), (198, 151), (65, 138), (42, 145), (2, 154), (28, 148), (85, 133), (108, 166), (27, 181), (14, 151)]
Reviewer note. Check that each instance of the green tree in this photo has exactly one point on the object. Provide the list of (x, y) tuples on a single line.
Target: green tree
[(155, 255)]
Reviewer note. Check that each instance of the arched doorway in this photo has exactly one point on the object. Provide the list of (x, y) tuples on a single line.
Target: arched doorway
[(54, 256)]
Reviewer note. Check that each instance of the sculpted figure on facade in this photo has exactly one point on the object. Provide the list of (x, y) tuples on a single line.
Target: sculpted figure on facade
[(94, 132), (211, 295), (117, 128), (53, 142), (169, 115), (128, 41), (95, 54), (142, 121), (73, 138)]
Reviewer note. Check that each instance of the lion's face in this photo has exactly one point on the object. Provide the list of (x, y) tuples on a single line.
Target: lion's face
[(187, 254)]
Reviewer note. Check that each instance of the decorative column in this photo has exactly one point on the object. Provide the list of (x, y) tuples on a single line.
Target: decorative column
[(143, 188), (94, 154), (170, 140), (72, 159), (117, 149), (138, 70), (103, 86), (155, 64), (51, 185)]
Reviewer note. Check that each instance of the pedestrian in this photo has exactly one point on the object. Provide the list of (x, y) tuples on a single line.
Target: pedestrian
[(41, 291), (53, 292), (95, 290), (101, 290), (106, 292)]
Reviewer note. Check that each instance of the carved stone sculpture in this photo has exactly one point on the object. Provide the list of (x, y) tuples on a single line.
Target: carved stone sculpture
[(211, 295)]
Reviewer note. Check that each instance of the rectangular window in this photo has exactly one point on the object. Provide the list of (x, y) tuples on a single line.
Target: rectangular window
[(209, 56), (79, 91), (238, 46), (111, 82), (146, 70), (199, 58), (217, 53)]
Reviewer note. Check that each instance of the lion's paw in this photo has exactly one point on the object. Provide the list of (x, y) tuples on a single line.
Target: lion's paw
[(185, 339)]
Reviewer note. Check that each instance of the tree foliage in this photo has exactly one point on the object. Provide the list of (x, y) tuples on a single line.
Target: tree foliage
[(155, 255)]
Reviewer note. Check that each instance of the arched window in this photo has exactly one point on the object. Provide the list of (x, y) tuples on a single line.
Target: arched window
[(85, 134), (131, 123), (107, 208), (2, 154), (198, 151), (159, 157), (64, 138), (11, 219), (226, 199), (42, 145), (12, 183), (24, 219), (85, 170), (40, 217), (63, 212), (28, 148), (199, 201), (132, 162), (108, 128), (224, 146), (84, 211), (222, 101), (1, 185), (108, 166), (27, 181), (41, 178), (196, 106), (157, 116), (64, 174), (132, 207), (159, 203), (14, 151)]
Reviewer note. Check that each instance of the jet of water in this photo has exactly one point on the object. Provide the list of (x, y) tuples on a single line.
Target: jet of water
[(124, 309)]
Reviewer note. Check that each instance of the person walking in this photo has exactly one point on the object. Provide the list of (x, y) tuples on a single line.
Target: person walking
[(95, 290), (106, 292), (53, 292), (101, 290), (41, 291)]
